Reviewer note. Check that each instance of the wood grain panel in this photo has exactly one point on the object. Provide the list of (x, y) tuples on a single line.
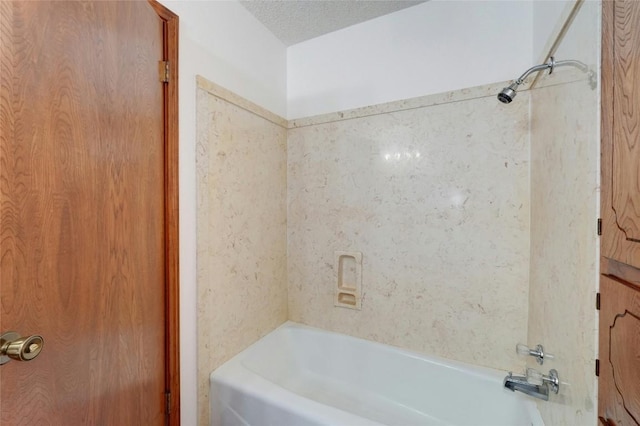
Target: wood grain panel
[(619, 132), (82, 195), (619, 382), (621, 271), (624, 356), (626, 136)]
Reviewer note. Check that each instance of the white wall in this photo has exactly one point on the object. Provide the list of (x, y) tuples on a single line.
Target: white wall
[(431, 48), (223, 42), (548, 19)]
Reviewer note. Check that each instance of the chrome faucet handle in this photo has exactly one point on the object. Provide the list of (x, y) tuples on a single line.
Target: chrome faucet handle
[(537, 352), (537, 378), (534, 376)]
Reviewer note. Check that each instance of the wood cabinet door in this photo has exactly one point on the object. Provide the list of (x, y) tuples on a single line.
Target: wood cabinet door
[(621, 131), (83, 217), (619, 381)]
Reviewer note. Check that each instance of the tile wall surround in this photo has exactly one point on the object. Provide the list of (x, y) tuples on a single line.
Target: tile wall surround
[(241, 227), (564, 246), (565, 176), (469, 93), (434, 192)]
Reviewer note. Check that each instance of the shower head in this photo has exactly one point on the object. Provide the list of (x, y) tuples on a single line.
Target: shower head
[(508, 93)]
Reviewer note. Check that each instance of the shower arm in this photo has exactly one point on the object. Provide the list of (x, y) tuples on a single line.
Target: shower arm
[(551, 65), (507, 94)]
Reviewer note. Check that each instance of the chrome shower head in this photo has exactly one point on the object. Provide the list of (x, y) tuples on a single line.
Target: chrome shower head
[(508, 93)]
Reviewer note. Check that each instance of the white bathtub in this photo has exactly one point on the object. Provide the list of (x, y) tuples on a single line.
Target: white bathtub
[(299, 376)]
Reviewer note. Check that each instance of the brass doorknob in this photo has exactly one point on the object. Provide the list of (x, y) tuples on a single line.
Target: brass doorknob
[(12, 346)]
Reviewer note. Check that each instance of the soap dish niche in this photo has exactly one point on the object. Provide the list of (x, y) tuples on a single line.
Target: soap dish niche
[(348, 267)]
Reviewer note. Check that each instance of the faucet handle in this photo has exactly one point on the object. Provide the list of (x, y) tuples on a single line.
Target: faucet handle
[(537, 352), (522, 349), (534, 376), (537, 378)]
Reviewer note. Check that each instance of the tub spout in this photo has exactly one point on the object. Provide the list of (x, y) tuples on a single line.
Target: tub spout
[(520, 383)]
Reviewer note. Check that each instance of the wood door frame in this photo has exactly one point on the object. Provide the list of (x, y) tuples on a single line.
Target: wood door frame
[(171, 210)]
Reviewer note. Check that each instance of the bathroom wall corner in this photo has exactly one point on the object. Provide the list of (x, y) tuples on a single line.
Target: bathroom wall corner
[(241, 228), (564, 244)]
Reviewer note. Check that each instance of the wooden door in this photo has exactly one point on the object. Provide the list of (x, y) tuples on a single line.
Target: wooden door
[(619, 381), (87, 213)]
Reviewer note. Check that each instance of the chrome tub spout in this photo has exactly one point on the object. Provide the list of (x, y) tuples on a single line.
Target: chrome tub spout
[(520, 384)]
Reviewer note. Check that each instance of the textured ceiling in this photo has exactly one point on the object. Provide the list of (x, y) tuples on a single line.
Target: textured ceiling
[(293, 21)]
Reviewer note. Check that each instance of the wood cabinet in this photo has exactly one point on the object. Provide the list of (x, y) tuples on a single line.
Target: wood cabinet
[(621, 131), (619, 329), (619, 383)]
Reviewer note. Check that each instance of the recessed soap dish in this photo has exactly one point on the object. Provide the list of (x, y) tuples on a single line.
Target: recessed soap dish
[(348, 279)]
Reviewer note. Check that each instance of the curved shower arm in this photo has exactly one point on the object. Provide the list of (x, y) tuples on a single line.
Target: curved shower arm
[(508, 93), (551, 65), (580, 65)]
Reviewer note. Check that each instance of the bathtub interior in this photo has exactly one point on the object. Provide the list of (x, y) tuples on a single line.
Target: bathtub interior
[(384, 384)]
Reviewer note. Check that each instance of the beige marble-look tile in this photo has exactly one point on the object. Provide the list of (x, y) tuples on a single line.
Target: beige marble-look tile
[(241, 241), (231, 97), (437, 200), (402, 105), (564, 245), (564, 242)]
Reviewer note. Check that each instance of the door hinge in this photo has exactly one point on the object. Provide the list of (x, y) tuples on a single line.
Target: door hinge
[(597, 368), (164, 71), (599, 226), (167, 397), (597, 301)]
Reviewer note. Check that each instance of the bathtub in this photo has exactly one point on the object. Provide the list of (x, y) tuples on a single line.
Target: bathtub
[(302, 376)]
